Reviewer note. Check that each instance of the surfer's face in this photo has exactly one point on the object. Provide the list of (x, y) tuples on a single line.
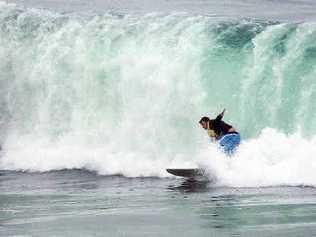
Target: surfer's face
[(204, 124)]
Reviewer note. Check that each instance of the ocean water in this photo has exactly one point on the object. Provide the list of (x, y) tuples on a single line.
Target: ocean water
[(98, 98), (79, 203)]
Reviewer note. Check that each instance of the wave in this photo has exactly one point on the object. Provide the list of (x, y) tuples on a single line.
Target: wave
[(123, 94)]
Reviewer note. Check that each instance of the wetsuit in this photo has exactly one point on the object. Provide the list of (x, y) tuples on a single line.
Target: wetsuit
[(220, 130)]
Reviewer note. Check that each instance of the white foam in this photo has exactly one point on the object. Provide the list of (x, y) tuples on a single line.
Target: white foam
[(39, 155), (271, 159)]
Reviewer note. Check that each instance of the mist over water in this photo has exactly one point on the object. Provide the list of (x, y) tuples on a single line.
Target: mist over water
[(122, 94), (275, 10)]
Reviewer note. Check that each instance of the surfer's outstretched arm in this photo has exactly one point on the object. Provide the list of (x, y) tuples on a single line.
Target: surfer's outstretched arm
[(220, 116)]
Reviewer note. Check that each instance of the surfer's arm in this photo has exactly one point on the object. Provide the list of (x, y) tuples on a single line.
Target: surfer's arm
[(220, 116)]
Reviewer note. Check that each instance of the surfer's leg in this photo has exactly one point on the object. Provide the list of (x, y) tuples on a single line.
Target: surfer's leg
[(229, 143), (234, 142), (225, 143)]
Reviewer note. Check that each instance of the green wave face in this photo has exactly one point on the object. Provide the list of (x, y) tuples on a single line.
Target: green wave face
[(144, 81)]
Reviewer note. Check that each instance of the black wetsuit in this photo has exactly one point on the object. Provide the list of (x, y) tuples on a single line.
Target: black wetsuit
[(220, 127)]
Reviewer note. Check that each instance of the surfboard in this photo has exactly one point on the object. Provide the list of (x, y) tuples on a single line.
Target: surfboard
[(187, 173)]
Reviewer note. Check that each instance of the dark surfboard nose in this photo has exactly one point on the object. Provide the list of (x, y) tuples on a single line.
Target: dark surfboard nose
[(189, 173)]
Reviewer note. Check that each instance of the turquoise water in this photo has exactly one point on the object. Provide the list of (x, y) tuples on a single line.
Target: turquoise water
[(97, 99), (81, 70)]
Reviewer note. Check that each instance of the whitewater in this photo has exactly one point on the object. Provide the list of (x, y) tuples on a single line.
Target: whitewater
[(123, 93)]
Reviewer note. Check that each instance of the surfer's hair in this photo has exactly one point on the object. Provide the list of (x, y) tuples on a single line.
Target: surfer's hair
[(204, 119)]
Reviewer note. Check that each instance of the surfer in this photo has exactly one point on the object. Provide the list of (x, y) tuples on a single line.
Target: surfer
[(225, 134)]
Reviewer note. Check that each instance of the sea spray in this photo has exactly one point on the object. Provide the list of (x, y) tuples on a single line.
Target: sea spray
[(271, 159)]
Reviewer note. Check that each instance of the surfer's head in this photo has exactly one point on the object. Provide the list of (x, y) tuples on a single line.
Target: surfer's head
[(204, 122)]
